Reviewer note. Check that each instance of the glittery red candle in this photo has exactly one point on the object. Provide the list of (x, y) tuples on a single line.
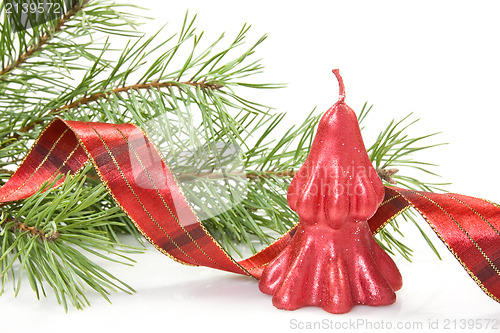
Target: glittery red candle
[(333, 261)]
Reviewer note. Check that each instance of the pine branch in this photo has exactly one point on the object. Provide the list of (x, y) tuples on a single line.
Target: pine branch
[(40, 84), (54, 236), (80, 213), (44, 39)]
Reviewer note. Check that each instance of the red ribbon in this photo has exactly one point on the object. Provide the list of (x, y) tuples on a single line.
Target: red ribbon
[(142, 184)]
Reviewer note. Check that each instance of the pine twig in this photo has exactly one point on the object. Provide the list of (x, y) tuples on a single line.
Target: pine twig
[(387, 173), (44, 39), (9, 172), (33, 231)]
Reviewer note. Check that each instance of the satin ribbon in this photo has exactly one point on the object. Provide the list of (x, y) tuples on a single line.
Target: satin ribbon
[(122, 154)]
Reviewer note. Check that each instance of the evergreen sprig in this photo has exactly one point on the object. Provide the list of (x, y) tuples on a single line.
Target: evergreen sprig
[(188, 94), (54, 236)]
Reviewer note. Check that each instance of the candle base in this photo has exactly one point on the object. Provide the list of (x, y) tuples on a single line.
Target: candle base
[(334, 269)]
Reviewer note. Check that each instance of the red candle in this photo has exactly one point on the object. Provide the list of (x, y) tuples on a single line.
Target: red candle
[(333, 261)]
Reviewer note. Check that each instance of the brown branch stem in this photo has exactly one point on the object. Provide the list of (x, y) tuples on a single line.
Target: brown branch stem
[(43, 40), (384, 174), (248, 175), (33, 231), (118, 90), (217, 175), (10, 172)]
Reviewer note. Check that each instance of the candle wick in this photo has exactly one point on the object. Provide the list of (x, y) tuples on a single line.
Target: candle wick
[(341, 86)]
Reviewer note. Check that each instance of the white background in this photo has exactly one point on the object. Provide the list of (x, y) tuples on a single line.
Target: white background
[(437, 59)]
